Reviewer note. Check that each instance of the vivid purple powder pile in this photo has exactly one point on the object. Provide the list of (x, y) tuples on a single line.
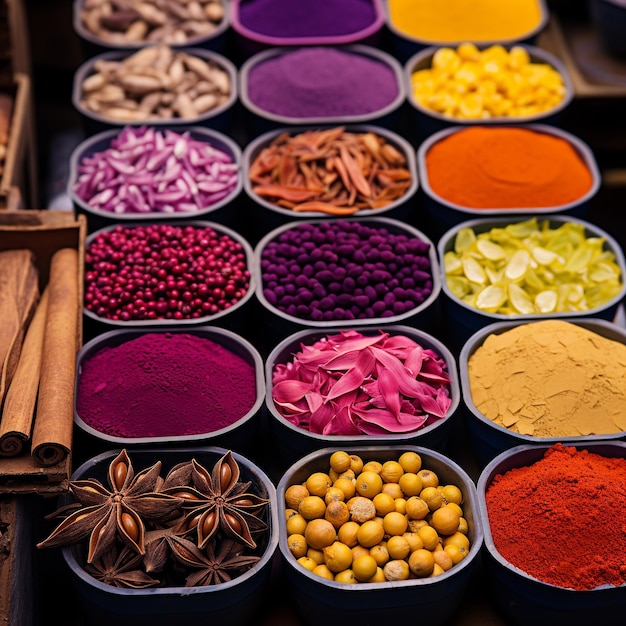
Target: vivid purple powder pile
[(164, 385), (322, 82), (345, 270), (306, 18)]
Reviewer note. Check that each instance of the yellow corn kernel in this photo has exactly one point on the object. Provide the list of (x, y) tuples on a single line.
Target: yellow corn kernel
[(468, 51), (468, 74), (518, 57), (496, 53), (446, 59), (471, 106)]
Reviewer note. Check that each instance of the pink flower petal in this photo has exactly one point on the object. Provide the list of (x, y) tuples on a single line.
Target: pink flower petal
[(414, 360), (388, 386), (321, 417), (387, 421), (407, 385), (342, 424), (353, 378), (290, 390)]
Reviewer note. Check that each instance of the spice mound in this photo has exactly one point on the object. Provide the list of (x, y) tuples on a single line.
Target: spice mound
[(330, 171), (322, 82), (151, 21), (285, 19), (495, 82), (556, 519), (345, 270), (352, 384), (155, 83), (531, 267), (507, 168), (146, 170), (164, 384), (449, 21), (192, 527), (550, 379), (162, 271)]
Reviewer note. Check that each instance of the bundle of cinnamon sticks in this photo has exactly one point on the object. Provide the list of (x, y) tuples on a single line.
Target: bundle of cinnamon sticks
[(38, 339)]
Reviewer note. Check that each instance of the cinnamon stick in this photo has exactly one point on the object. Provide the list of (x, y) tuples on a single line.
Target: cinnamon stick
[(21, 397), (54, 418), (19, 293)]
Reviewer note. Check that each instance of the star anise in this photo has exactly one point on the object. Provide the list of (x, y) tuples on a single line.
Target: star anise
[(218, 501), (106, 514), (159, 545), (213, 567), (121, 569)]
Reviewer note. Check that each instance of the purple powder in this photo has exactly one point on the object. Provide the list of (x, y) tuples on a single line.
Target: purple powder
[(164, 385), (306, 18), (322, 82), (345, 270)]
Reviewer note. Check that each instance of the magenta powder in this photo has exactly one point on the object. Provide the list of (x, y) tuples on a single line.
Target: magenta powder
[(306, 18), (322, 81), (164, 385)]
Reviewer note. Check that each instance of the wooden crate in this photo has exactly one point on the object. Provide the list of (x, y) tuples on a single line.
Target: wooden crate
[(44, 232), (18, 182), (17, 560)]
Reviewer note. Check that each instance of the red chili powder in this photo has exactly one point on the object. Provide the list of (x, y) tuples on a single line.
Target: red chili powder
[(164, 384), (562, 519)]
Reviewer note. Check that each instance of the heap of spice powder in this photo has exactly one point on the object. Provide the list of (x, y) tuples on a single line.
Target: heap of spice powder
[(550, 378), (322, 82), (449, 21), (353, 384), (506, 168), (285, 19), (330, 171), (555, 519), (164, 385)]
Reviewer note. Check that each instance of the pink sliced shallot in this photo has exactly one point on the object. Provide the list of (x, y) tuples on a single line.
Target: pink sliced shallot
[(149, 170)]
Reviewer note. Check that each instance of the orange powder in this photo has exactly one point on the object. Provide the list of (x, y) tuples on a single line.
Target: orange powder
[(465, 20), (506, 167)]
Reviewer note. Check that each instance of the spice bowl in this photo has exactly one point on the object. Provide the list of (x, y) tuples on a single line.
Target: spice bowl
[(272, 210), (423, 26), (121, 399), (527, 292), (436, 599), (542, 421), (347, 84), (172, 186), (330, 273), (236, 601), (573, 178), (448, 109), (109, 91), (523, 597), (121, 291), (309, 23), (290, 362), (130, 30)]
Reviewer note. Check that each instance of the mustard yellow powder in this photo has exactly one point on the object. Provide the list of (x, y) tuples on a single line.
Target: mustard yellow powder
[(448, 21), (550, 378)]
